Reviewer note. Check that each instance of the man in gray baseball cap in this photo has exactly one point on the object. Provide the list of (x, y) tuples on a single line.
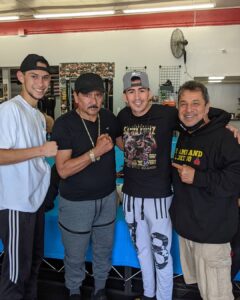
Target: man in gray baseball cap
[(147, 133), (128, 80)]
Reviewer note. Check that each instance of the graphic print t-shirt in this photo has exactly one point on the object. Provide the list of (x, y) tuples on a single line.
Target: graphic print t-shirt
[(140, 147), (147, 148)]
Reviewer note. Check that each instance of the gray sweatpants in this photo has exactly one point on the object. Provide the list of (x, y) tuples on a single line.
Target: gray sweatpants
[(80, 222)]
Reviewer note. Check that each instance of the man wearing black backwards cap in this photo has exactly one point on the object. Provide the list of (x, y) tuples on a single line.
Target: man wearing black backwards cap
[(86, 163), (24, 180)]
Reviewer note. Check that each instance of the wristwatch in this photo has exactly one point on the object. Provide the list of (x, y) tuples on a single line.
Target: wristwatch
[(91, 155)]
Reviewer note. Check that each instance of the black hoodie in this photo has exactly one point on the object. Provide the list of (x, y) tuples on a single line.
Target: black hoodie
[(206, 210)]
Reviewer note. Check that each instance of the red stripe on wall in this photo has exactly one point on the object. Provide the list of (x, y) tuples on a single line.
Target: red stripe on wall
[(176, 19)]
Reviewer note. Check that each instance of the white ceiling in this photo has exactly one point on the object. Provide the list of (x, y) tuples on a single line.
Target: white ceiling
[(26, 8)]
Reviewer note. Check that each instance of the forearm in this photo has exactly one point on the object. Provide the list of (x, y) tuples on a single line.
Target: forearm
[(73, 166), (14, 156), (68, 166)]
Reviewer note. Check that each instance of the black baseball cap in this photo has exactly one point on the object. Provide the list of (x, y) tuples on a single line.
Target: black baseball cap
[(31, 61), (89, 82)]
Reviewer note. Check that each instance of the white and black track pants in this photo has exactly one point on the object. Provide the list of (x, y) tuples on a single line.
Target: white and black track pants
[(22, 235), (151, 231)]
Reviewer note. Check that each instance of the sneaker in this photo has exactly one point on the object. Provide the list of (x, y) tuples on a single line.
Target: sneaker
[(75, 297), (101, 295)]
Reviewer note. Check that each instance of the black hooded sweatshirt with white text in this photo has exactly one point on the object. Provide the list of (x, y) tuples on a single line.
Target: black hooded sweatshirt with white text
[(206, 210)]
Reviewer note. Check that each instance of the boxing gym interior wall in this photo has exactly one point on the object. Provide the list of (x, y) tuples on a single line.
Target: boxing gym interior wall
[(211, 50)]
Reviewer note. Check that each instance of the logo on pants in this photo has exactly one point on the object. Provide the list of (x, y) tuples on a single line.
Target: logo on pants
[(159, 248)]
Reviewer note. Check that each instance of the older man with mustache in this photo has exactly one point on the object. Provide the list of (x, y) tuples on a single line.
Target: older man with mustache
[(86, 164)]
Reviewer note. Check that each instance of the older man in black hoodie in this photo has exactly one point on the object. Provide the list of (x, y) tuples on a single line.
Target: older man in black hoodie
[(206, 178)]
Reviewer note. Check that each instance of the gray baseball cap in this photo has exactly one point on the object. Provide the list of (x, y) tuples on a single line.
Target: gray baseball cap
[(127, 80)]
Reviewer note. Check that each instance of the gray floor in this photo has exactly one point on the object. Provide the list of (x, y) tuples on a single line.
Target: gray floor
[(51, 285)]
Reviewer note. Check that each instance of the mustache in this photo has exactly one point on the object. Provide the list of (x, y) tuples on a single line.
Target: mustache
[(93, 106)]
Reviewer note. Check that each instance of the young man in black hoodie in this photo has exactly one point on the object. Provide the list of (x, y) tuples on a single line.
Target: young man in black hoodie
[(206, 178)]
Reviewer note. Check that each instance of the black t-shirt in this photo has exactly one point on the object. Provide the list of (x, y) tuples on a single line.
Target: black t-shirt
[(98, 179), (147, 150)]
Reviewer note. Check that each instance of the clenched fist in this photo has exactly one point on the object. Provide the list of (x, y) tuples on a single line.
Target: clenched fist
[(49, 149), (103, 145)]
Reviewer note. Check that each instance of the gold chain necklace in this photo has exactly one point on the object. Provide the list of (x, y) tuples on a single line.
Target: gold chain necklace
[(88, 133)]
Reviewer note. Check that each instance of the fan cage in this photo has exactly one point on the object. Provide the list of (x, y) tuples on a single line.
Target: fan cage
[(177, 40)]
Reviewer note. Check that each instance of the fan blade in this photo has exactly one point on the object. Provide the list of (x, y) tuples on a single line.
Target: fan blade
[(184, 56)]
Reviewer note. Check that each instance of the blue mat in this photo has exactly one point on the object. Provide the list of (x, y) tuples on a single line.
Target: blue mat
[(124, 253)]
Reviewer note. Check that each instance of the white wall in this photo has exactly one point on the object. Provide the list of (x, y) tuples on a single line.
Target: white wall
[(225, 96), (150, 47)]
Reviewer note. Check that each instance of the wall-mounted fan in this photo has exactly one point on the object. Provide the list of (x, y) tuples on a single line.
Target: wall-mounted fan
[(178, 44)]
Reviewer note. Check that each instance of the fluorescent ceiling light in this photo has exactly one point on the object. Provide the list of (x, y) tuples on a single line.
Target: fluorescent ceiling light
[(216, 77), (170, 8), (9, 18), (214, 81), (79, 14)]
